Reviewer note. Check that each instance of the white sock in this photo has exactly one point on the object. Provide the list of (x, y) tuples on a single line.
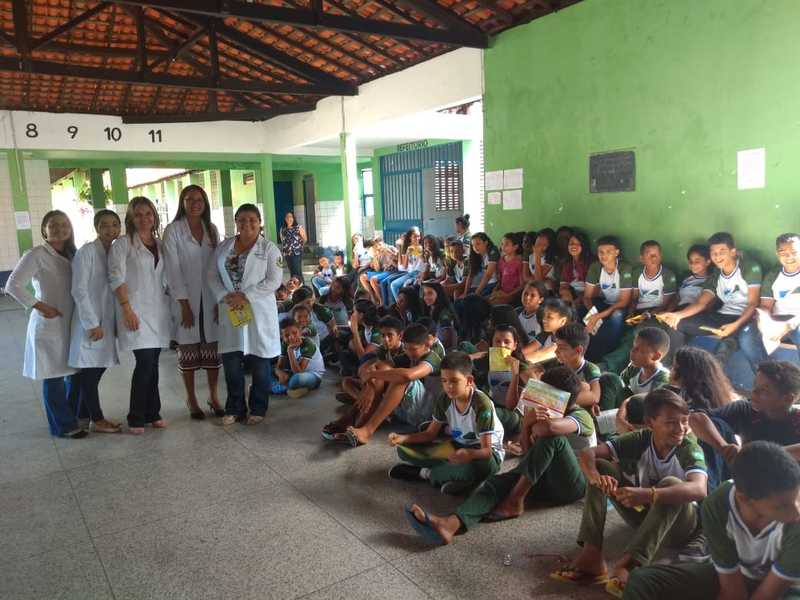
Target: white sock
[(425, 473)]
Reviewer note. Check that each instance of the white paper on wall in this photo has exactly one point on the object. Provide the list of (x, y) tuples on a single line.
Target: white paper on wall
[(23, 219), (751, 169), (512, 199), (494, 197), (493, 180), (512, 179)]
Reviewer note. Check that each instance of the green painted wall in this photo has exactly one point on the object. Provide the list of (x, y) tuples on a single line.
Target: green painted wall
[(686, 84)]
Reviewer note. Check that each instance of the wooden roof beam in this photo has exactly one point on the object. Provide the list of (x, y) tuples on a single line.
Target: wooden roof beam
[(242, 115), (71, 24), (459, 33), (41, 67)]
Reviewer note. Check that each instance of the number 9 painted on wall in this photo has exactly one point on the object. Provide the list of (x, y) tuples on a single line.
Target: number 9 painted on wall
[(72, 130)]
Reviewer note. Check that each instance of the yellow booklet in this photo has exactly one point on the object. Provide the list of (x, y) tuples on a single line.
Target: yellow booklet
[(440, 451), (497, 359), (240, 316)]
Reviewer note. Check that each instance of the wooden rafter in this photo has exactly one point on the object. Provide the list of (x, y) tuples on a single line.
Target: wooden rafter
[(69, 25)]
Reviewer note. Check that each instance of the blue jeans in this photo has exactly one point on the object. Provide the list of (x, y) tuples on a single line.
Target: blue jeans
[(748, 336), (320, 284), (60, 396), (609, 334), (395, 286), (385, 290), (261, 370), (305, 379)]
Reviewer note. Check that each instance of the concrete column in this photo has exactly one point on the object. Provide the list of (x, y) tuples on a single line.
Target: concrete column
[(119, 190), (226, 193), (19, 200), (97, 188), (350, 190)]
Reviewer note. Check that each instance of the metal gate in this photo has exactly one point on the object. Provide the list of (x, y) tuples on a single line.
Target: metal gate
[(407, 186)]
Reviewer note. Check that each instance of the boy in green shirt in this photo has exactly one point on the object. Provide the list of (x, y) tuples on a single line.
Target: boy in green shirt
[(300, 367), (571, 342), (654, 478), (609, 286), (475, 450), (753, 529), (548, 471), (737, 284), (407, 397)]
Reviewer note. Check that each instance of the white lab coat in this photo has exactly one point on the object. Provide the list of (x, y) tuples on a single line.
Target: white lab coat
[(47, 340), (262, 276), (129, 261), (94, 307), (186, 263)]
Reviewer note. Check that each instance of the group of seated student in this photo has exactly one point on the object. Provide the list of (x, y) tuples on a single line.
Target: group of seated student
[(653, 427)]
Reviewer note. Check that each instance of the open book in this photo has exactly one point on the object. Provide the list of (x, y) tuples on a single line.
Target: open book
[(593, 311), (537, 393), (771, 330)]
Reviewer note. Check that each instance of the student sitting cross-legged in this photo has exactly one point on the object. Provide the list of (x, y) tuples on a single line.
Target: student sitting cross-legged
[(361, 391), (300, 366), (753, 529), (410, 390), (475, 450), (548, 471), (654, 478)]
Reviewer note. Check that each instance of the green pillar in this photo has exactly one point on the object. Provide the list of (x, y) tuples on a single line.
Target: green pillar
[(19, 200), (97, 188), (377, 192), (350, 192), (119, 190), (226, 192), (265, 194)]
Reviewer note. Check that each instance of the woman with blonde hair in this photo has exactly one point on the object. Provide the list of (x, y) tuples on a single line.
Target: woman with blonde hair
[(136, 274)]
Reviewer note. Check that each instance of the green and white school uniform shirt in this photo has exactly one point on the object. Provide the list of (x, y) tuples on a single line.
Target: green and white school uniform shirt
[(611, 284), (637, 383), (551, 274), (307, 349), (784, 288), (585, 436), (691, 289), (492, 256), (588, 372), (457, 271), (477, 420), (642, 467), (735, 549), (396, 357), (530, 323), (654, 291), (732, 289), (546, 339), (320, 317)]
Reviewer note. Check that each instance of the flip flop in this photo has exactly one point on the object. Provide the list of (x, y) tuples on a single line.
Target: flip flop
[(352, 439), (425, 530), (346, 438), (614, 587), (572, 575)]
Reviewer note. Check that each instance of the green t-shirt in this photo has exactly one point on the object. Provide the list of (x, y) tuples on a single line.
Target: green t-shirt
[(611, 284), (653, 291), (584, 436), (634, 381), (784, 288), (588, 372), (732, 289), (397, 357), (734, 548), (466, 428), (307, 350), (322, 313), (433, 359), (641, 466)]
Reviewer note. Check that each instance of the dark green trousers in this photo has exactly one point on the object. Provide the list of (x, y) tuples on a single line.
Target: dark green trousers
[(551, 467), (424, 455)]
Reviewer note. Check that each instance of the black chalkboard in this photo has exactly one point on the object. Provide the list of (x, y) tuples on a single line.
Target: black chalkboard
[(612, 172)]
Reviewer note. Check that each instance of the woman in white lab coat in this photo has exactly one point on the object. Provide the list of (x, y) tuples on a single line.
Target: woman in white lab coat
[(48, 268), (93, 343), (136, 274), (189, 243), (245, 272)]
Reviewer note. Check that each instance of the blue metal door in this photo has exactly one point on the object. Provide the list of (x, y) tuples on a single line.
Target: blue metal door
[(405, 177)]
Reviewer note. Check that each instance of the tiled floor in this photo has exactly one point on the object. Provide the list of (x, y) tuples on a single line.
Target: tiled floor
[(197, 511)]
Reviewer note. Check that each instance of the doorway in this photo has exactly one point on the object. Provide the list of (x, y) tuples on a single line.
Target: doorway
[(309, 203)]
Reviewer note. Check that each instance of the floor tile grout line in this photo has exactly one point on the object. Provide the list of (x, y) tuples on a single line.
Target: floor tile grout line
[(86, 525), (312, 501), (414, 583), (330, 585)]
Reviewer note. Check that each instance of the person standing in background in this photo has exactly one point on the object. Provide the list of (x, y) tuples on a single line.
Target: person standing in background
[(293, 237)]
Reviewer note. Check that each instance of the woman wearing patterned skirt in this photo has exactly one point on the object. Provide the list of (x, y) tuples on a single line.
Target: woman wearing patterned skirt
[(189, 243)]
